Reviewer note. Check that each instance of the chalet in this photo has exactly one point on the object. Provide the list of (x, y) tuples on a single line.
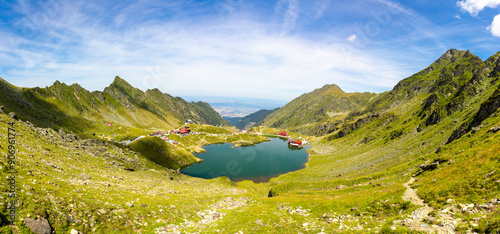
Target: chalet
[(109, 124), (184, 130), (282, 133), (294, 143)]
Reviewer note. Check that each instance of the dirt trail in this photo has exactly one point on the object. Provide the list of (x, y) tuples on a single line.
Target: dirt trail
[(416, 220)]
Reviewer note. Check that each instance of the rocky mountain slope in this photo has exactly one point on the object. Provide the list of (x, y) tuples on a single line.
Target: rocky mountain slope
[(74, 108), (319, 112)]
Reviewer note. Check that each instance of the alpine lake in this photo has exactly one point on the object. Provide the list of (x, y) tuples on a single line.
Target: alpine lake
[(258, 163)]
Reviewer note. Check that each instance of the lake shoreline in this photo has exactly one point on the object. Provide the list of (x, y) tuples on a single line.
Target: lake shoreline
[(258, 164)]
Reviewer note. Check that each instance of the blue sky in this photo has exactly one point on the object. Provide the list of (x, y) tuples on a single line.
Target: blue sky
[(238, 48)]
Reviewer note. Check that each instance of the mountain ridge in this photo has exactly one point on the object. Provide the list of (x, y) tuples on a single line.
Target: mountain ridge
[(119, 102)]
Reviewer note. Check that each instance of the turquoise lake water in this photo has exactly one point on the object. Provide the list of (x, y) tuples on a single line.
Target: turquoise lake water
[(258, 162)]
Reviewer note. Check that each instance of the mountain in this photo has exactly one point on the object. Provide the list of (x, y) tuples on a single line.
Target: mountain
[(79, 110), (319, 112), (253, 119), (436, 131)]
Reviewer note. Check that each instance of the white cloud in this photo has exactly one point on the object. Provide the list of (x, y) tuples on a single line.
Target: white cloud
[(475, 6), (352, 38), (457, 16), (495, 26)]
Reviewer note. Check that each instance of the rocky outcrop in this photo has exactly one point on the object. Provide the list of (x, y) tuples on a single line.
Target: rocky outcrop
[(486, 110), (38, 226)]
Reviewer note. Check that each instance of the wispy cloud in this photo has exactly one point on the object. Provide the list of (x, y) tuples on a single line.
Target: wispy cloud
[(276, 50)]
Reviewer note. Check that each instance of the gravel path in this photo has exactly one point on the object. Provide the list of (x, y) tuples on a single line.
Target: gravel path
[(416, 220)]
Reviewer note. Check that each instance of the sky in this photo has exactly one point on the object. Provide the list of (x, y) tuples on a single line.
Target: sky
[(264, 49)]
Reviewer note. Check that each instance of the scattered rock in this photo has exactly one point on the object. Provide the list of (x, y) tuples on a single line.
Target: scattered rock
[(73, 231), (354, 208), (85, 176), (258, 222), (494, 201), (101, 211), (129, 204), (341, 187), (494, 129), (38, 226)]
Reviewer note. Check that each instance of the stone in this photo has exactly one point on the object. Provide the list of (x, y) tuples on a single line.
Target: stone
[(69, 218), (494, 201), (354, 208), (85, 176), (38, 226), (2, 110), (428, 167), (13, 115), (341, 187), (129, 204), (101, 211), (494, 129), (73, 231)]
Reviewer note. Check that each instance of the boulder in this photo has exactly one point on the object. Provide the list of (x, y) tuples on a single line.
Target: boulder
[(38, 226), (129, 204), (341, 187), (13, 115), (428, 167)]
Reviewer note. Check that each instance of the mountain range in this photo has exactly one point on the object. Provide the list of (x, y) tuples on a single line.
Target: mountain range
[(77, 109), (422, 157)]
